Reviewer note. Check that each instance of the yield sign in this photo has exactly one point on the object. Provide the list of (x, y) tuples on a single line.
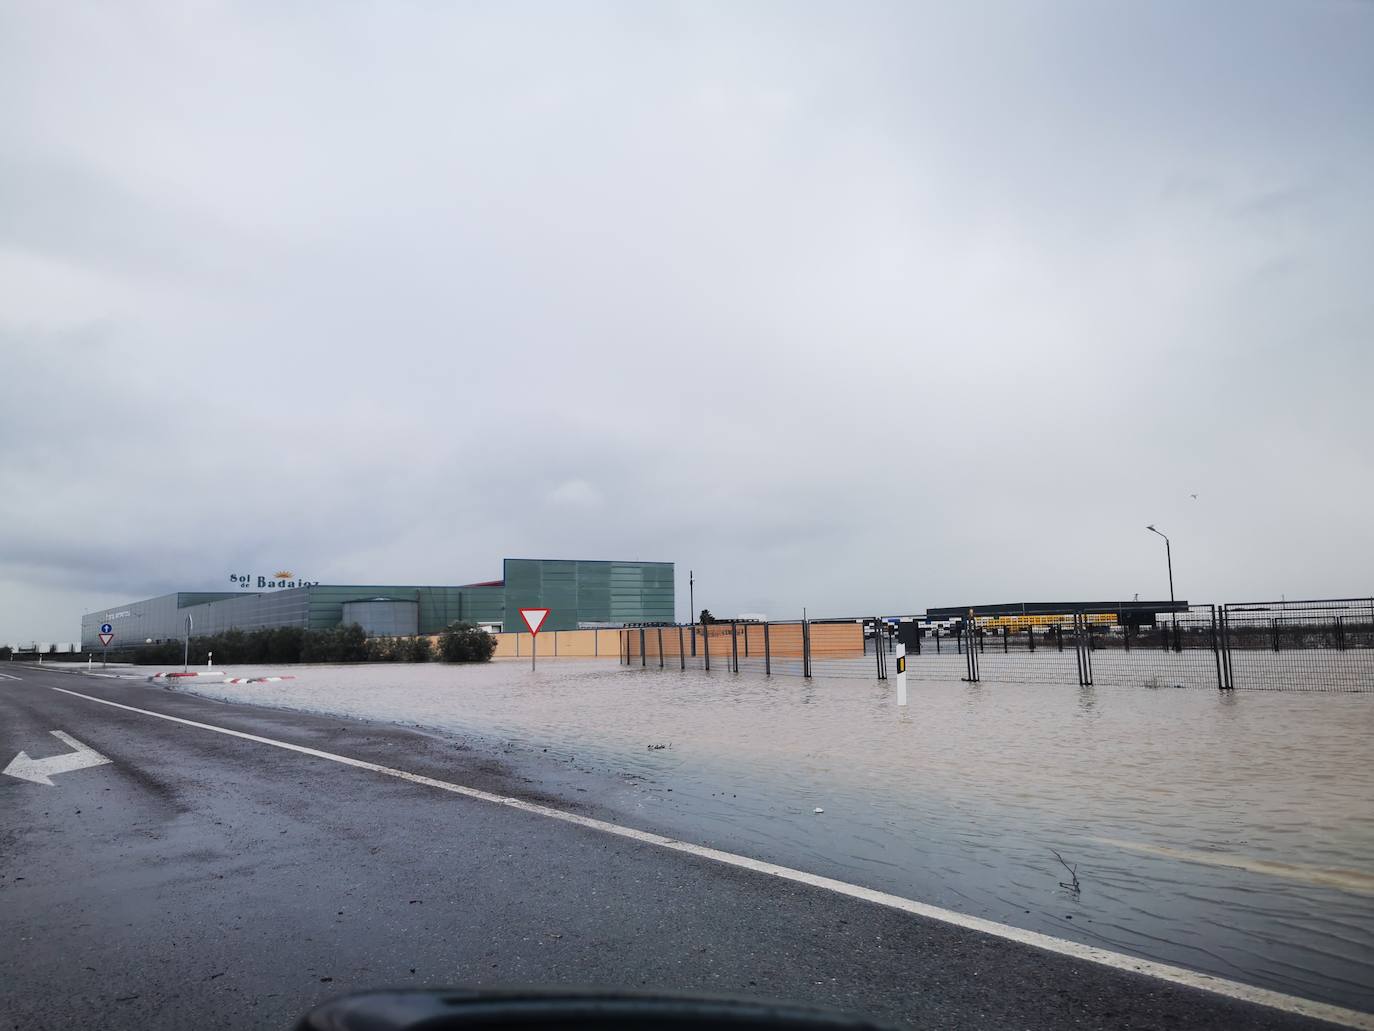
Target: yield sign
[(106, 638), (534, 618)]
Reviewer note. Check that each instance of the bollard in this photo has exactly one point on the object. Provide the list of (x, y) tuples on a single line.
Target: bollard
[(901, 674)]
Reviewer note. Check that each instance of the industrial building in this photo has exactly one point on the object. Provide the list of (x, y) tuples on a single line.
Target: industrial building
[(577, 593)]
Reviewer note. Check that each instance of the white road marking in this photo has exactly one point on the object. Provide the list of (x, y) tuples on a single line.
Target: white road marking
[(41, 771), (9, 676), (1089, 953)]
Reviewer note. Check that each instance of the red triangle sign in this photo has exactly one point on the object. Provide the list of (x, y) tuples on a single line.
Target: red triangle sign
[(106, 638), (534, 618)]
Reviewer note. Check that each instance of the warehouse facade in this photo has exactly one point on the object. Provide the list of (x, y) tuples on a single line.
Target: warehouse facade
[(577, 592)]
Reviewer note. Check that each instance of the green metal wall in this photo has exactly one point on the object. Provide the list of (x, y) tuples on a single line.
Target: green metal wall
[(575, 592), (439, 606), (589, 592)]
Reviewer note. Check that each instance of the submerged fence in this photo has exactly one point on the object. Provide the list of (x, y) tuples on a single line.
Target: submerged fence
[(1323, 645)]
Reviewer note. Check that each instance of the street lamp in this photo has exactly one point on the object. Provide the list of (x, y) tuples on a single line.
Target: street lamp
[(1168, 557)]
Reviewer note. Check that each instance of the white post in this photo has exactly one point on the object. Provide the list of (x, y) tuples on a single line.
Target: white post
[(901, 674), (209, 657), (89, 659)]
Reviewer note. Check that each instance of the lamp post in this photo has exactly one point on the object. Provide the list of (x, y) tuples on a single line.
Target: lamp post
[(1169, 558), (691, 596)]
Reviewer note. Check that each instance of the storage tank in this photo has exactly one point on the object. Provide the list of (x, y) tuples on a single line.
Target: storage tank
[(384, 617)]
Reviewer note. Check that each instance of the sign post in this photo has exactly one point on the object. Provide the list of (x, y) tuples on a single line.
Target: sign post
[(106, 636), (534, 619)]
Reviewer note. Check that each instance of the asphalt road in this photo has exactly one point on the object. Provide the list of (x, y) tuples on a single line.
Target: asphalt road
[(198, 879)]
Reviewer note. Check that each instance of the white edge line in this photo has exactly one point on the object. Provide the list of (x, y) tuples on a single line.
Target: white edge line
[(1048, 943)]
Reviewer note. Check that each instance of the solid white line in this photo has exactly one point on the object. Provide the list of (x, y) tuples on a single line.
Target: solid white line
[(9, 676), (1074, 950)]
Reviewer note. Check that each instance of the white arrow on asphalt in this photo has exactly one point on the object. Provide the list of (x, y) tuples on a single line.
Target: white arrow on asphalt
[(40, 771)]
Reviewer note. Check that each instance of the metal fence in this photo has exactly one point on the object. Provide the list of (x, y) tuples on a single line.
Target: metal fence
[(1296, 646), (1316, 645)]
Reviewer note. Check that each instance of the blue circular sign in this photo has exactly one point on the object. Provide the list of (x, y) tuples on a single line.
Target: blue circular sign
[(105, 628)]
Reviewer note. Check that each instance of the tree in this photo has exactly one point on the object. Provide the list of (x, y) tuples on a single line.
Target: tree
[(706, 617), (463, 642)]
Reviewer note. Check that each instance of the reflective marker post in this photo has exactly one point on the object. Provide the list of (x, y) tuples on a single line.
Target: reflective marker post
[(901, 674)]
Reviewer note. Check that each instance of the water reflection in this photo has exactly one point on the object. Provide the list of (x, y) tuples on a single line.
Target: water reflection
[(1228, 832)]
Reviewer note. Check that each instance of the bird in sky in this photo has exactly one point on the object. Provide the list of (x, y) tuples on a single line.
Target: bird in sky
[(1193, 496)]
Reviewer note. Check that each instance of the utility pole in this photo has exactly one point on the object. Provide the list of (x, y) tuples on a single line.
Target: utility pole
[(691, 596)]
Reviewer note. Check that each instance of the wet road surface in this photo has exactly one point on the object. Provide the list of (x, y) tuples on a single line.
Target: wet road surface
[(202, 879)]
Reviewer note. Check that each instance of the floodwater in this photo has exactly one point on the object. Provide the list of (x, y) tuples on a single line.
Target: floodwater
[(1229, 832)]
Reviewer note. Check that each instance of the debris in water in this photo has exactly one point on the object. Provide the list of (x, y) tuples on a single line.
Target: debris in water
[(1073, 885), (818, 809)]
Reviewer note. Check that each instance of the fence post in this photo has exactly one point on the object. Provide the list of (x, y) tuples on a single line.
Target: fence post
[(767, 653), (660, 647), (681, 647), (1030, 631), (1216, 650), (878, 646), (1088, 652), (937, 640), (1226, 655), (806, 649), (734, 646), (1275, 623), (643, 651)]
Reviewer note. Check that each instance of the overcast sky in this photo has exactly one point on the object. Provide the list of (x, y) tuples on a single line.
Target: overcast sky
[(863, 307)]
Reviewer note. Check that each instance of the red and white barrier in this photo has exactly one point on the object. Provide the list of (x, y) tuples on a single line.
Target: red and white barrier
[(204, 676), (256, 680)]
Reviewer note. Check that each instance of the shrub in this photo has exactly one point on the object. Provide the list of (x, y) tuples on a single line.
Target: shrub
[(341, 644), (463, 642), (383, 649), (414, 649), (168, 653)]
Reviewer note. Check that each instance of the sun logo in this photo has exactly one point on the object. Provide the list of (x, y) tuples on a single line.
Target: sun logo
[(282, 574)]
